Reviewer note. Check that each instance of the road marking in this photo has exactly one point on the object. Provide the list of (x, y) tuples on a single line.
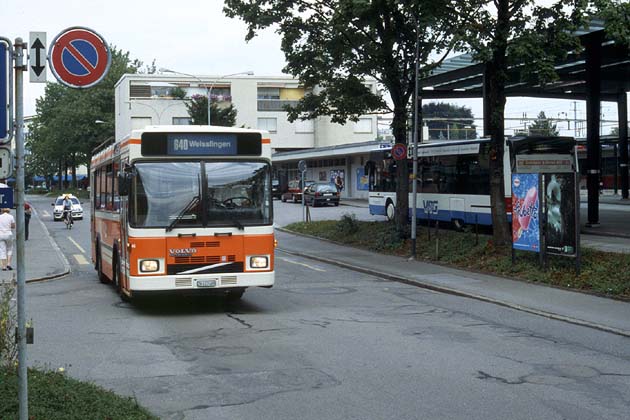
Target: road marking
[(80, 259), (76, 244), (303, 264), (46, 214)]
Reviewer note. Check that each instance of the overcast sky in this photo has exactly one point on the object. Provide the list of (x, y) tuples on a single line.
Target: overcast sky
[(195, 37)]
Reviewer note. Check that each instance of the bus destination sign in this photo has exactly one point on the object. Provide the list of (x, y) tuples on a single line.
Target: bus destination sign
[(198, 144)]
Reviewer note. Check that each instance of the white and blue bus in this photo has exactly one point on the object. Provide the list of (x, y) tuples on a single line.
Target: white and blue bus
[(453, 178)]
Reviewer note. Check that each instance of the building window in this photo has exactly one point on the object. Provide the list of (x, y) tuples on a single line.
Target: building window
[(268, 93), (139, 91), (364, 125), (221, 94), (182, 121), (269, 124), (138, 123), (306, 126)]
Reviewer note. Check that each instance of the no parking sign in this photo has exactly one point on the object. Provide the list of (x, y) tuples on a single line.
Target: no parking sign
[(79, 57)]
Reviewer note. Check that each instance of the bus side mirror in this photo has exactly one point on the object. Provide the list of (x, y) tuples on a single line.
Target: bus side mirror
[(123, 184), (124, 179)]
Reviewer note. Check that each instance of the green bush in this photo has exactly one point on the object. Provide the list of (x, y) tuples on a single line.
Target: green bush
[(347, 225)]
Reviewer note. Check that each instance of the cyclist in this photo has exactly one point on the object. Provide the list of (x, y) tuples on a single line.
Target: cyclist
[(67, 211)]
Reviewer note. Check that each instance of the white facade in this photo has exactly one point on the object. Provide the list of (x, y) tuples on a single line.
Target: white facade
[(144, 99)]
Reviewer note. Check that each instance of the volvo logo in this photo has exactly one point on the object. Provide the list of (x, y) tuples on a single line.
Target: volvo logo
[(182, 252)]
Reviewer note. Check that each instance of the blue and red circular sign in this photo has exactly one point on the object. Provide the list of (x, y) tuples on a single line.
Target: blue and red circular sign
[(399, 151), (79, 57)]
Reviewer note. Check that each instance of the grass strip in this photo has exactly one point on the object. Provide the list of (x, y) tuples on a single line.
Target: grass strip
[(54, 396)]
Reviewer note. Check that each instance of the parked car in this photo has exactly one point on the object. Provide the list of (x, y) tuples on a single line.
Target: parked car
[(321, 193), (275, 189), (294, 192), (77, 209)]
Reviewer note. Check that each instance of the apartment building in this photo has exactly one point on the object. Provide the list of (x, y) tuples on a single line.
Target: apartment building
[(146, 99)]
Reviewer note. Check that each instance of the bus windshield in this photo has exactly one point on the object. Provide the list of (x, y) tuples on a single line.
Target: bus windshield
[(200, 194)]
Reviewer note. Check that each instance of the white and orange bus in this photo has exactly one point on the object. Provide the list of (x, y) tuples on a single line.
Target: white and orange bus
[(183, 209)]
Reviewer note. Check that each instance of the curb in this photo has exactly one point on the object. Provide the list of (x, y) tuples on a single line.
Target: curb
[(590, 231), (448, 290), (53, 244)]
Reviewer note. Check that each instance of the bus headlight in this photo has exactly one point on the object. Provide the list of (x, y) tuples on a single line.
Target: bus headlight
[(258, 262), (149, 266)]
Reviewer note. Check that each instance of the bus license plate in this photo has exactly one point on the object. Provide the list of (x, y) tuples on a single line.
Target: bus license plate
[(206, 283)]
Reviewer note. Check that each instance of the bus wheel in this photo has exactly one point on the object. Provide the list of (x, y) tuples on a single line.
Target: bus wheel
[(99, 266), (390, 210), (458, 225)]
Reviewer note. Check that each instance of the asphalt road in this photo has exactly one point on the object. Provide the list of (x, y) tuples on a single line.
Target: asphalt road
[(324, 343)]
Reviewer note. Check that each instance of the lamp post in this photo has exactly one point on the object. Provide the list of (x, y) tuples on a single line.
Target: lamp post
[(208, 89)]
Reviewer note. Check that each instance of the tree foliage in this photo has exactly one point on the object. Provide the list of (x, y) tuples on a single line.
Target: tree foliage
[(197, 108), (524, 37), (332, 46), (543, 126), (64, 131), (442, 127)]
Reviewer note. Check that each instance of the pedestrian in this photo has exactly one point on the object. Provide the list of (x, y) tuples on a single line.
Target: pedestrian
[(339, 183), (27, 219), (7, 224)]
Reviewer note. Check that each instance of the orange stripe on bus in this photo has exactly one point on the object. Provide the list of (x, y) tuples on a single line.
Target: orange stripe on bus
[(206, 249), (266, 141)]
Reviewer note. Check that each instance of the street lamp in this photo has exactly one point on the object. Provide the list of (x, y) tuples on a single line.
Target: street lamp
[(208, 89)]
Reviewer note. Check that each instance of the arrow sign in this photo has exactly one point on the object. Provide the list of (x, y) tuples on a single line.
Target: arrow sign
[(37, 57)]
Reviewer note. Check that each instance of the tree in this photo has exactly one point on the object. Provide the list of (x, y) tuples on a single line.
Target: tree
[(442, 127), (333, 45), (64, 133), (542, 126), (197, 108), (523, 35)]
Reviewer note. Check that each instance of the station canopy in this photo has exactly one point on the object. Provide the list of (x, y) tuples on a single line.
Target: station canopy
[(462, 77)]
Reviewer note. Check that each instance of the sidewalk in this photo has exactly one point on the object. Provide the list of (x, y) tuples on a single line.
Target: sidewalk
[(577, 308), (43, 259)]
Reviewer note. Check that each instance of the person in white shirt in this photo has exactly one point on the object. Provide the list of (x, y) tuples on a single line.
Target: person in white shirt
[(7, 224)]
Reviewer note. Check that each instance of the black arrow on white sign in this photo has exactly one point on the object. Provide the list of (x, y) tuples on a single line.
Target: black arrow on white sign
[(38, 47)]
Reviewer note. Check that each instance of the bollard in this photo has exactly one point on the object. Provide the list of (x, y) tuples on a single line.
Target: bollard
[(476, 229), (437, 240)]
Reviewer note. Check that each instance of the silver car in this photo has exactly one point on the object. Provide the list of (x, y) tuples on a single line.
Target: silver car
[(77, 209)]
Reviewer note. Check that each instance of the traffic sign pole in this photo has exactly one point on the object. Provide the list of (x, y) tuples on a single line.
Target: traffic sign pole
[(20, 67)]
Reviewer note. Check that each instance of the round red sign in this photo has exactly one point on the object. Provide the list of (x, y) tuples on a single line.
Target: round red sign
[(399, 151), (79, 57)]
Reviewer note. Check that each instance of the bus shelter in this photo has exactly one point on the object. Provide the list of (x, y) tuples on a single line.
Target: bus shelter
[(545, 196)]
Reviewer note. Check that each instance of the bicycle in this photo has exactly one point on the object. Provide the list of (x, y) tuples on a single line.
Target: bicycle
[(67, 219)]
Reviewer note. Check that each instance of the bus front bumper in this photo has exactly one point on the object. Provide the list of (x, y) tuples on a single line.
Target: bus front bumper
[(205, 282)]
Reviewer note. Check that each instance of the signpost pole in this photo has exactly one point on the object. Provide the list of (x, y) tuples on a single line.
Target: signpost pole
[(20, 67)]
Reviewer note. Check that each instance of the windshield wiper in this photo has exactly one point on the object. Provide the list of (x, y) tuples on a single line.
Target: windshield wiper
[(181, 214)]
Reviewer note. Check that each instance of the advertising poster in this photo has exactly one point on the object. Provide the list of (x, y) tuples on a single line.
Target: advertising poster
[(560, 203), (362, 180), (525, 206)]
